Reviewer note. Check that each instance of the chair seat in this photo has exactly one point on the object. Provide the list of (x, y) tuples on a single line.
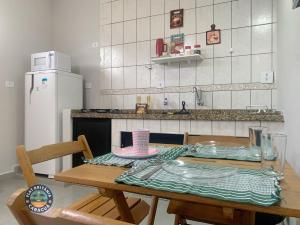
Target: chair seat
[(100, 205), (205, 213)]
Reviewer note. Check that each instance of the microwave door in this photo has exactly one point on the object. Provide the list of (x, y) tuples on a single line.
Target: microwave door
[(42, 61)]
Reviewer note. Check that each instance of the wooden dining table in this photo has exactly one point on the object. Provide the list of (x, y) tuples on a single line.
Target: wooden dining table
[(103, 177)]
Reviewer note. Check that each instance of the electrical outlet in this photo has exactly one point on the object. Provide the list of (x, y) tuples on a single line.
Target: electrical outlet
[(267, 77), (9, 84)]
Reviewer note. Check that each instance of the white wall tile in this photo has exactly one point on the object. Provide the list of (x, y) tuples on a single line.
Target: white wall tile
[(275, 10), (189, 99), (105, 101), (130, 31), (133, 124), (143, 53), (208, 101), (189, 22), (187, 4), (157, 101), (222, 100), (130, 77), (152, 125), (106, 35), (117, 34), (173, 101), (130, 54), (105, 57), (240, 99), (157, 7), (157, 76), (273, 127), (224, 128), (275, 103), (200, 3), (143, 77), (105, 81), (117, 11), (206, 50), (241, 69), (170, 126), (105, 13), (117, 78), (172, 75), (222, 71), (241, 13), (143, 29), (190, 40), (242, 128), (223, 49), (221, 1), (117, 56), (261, 97), (129, 101), (143, 8), (205, 70), (117, 101), (241, 41), (204, 18), (117, 125), (261, 11), (187, 73), (129, 9), (201, 127), (157, 27), (260, 63), (171, 5), (184, 126), (261, 39), (222, 13)]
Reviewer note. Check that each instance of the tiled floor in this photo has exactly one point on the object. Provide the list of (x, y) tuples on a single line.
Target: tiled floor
[(63, 195)]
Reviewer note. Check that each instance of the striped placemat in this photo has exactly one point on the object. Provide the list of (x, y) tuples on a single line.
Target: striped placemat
[(221, 152), (244, 186), (110, 159)]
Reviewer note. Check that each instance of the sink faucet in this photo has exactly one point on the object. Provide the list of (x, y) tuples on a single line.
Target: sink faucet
[(198, 96)]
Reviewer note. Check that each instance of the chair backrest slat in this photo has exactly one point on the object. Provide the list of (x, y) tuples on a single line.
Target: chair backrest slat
[(193, 139), (55, 216), (48, 152)]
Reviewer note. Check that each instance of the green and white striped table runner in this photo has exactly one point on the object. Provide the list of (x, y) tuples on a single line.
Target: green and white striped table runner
[(222, 152), (244, 186), (112, 160)]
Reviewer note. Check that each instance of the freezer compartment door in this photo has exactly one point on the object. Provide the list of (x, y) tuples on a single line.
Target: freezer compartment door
[(41, 116)]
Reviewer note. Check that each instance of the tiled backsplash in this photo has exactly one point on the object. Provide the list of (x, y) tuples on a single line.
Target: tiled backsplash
[(129, 29)]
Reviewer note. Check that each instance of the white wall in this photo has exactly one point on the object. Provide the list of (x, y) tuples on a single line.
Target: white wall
[(289, 69), (75, 27), (24, 28)]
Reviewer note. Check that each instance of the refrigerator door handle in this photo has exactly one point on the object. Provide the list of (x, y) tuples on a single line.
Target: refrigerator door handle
[(31, 88)]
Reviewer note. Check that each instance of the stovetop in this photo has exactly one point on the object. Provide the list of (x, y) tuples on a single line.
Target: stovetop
[(100, 110)]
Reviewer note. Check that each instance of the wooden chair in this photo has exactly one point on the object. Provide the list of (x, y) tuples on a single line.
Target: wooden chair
[(202, 212), (55, 216), (94, 203)]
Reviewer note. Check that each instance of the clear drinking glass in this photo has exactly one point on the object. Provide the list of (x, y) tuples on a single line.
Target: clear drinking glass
[(255, 135), (274, 152)]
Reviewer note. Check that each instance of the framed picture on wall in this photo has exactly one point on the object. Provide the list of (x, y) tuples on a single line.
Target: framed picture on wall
[(213, 36), (176, 18)]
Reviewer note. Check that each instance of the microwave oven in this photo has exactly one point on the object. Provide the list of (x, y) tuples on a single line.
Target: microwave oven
[(51, 60)]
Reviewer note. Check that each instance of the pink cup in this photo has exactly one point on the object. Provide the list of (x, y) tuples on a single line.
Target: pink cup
[(140, 139)]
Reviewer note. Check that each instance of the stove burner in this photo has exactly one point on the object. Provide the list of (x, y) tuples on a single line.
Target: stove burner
[(100, 110)]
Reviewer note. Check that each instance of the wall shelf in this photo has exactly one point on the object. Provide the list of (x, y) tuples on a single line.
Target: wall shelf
[(174, 59)]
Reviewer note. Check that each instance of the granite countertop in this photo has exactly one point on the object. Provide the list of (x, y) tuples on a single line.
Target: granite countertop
[(205, 114)]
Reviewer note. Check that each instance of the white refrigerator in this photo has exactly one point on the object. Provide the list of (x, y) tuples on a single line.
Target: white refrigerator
[(47, 94)]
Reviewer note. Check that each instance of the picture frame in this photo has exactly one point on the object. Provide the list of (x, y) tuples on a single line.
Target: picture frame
[(141, 108), (213, 36), (176, 18)]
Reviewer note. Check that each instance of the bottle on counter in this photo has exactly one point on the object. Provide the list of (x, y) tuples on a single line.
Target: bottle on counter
[(188, 50), (197, 49)]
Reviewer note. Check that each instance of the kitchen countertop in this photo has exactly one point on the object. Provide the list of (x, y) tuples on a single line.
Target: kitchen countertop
[(206, 114)]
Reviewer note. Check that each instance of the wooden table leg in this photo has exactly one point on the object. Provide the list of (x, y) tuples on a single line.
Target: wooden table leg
[(153, 208), (246, 218), (121, 204)]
